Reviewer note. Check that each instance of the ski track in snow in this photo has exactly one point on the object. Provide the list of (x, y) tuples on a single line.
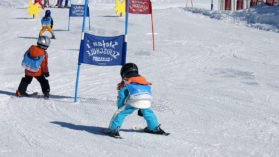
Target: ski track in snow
[(216, 91)]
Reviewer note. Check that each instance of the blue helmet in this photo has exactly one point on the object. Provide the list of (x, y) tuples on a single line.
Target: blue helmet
[(48, 13)]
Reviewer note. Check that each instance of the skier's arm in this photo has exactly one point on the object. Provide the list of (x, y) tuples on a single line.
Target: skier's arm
[(51, 25), (44, 65), (122, 95)]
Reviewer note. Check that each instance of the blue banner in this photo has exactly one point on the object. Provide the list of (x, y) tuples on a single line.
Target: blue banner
[(78, 11), (102, 51)]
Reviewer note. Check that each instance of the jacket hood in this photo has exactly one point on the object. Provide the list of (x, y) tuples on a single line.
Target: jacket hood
[(35, 51), (137, 79)]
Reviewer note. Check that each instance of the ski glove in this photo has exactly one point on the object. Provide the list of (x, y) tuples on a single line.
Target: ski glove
[(46, 74)]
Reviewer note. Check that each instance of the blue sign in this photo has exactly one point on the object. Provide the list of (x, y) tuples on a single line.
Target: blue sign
[(102, 51), (78, 11)]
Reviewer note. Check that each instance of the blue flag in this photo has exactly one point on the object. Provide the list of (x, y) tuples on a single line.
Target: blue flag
[(78, 11), (102, 51)]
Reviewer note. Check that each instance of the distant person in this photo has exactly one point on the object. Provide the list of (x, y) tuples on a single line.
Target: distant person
[(36, 65), (66, 4), (46, 3), (40, 2), (58, 3), (134, 93), (47, 23)]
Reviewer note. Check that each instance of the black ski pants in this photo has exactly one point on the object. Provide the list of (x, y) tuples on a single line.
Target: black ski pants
[(25, 81)]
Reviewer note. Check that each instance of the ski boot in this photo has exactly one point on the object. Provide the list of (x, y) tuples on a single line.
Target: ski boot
[(46, 95), (52, 36), (157, 131), (20, 94), (115, 133)]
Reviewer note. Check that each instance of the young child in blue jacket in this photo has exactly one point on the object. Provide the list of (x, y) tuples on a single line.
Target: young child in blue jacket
[(47, 24), (134, 93)]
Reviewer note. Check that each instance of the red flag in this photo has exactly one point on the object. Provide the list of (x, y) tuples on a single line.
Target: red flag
[(140, 7)]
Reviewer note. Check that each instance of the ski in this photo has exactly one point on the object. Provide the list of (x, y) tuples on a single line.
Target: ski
[(140, 129), (29, 94)]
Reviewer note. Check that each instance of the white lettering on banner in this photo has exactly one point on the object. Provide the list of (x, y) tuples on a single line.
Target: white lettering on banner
[(105, 51), (105, 44), (102, 48), (102, 59), (78, 10), (140, 6)]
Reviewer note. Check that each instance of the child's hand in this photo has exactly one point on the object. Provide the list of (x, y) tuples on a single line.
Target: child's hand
[(120, 85)]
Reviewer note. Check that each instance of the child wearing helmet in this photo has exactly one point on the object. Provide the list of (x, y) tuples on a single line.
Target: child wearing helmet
[(134, 93), (47, 23), (35, 62)]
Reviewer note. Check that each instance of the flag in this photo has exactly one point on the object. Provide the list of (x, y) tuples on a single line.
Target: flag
[(102, 51), (140, 7)]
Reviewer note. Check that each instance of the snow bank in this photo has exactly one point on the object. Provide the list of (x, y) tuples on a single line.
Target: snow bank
[(263, 17)]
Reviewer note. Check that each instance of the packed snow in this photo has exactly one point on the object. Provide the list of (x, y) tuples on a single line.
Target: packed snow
[(215, 77)]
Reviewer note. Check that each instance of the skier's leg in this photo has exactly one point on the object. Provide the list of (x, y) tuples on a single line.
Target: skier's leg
[(60, 3), (43, 30), (66, 3), (45, 3), (44, 84), (40, 2), (51, 32), (120, 115), (25, 81), (151, 119)]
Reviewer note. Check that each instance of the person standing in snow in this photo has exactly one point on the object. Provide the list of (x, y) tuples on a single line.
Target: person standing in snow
[(61, 4), (46, 3), (40, 2), (58, 3), (134, 93), (47, 23), (35, 63)]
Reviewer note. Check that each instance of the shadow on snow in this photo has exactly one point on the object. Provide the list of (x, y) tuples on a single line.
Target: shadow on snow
[(29, 37), (51, 95), (91, 129)]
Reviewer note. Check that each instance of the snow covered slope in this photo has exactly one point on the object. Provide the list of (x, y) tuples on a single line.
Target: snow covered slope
[(215, 86)]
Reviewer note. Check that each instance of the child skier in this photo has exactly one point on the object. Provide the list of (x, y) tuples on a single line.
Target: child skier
[(36, 65), (47, 23), (134, 93)]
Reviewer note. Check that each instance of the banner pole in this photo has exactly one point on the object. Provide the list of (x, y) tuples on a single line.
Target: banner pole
[(126, 30), (89, 23), (127, 17), (77, 82), (82, 38), (69, 23), (152, 27)]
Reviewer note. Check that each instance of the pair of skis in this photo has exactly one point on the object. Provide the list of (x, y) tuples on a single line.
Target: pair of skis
[(31, 95), (135, 128)]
